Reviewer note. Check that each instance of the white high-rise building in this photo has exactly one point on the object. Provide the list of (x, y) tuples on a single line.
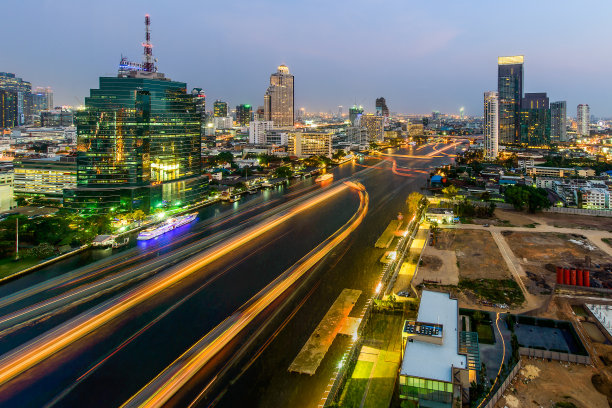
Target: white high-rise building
[(583, 119), (491, 125), (257, 131)]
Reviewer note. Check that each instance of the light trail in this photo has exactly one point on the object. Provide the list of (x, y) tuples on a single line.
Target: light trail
[(40, 349), (163, 387), (501, 365)]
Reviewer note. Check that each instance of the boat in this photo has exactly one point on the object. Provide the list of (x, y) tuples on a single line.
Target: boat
[(267, 184), (234, 198), (324, 177), (252, 191), (166, 226)]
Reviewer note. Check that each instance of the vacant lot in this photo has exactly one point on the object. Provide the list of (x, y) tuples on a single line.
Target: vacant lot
[(575, 221), (541, 383), (477, 254)]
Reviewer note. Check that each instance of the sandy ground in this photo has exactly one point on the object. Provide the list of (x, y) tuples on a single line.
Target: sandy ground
[(438, 266), (541, 384), (478, 256)]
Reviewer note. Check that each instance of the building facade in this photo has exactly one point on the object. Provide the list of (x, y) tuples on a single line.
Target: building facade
[(305, 144), (138, 145), (257, 131), (8, 109), (220, 109), (355, 113), (56, 118), (44, 177), (535, 119), (381, 107), (510, 93), (374, 126), (558, 122), (491, 125), (243, 115), (279, 98), (583, 119), (23, 90)]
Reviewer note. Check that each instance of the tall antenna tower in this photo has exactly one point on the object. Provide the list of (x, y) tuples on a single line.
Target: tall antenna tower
[(149, 63)]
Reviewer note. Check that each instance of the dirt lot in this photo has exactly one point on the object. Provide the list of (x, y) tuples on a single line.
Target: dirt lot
[(541, 384), (540, 252), (574, 221), (477, 254), (438, 266)]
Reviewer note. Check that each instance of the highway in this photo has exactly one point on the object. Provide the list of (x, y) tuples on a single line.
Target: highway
[(123, 320)]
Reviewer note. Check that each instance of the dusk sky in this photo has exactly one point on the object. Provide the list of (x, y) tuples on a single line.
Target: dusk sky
[(421, 56)]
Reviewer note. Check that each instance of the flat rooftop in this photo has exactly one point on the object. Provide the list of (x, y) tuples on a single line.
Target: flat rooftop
[(429, 360)]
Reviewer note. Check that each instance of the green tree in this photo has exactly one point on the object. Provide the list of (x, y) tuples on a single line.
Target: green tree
[(283, 172), (413, 201), (224, 157), (338, 155), (450, 191), (532, 198)]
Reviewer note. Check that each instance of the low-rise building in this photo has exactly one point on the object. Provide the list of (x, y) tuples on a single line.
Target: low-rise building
[(440, 215), (6, 190), (305, 144), (435, 369), (595, 198), (44, 177)]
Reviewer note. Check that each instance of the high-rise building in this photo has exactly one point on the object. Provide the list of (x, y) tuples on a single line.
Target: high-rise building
[(374, 125), (42, 99), (305, 144), (510, 93), (583, 119), (138, 143), (558, 122), (354, 114), (23, 89), (220, 109), (8, 109), (243, 114), (381, 107), (279, 98), (491, 125), (535, 119), (257, 131)]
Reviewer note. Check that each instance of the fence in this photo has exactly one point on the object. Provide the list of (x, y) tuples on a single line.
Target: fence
[(500, 391), (554, 355), (579, 211)]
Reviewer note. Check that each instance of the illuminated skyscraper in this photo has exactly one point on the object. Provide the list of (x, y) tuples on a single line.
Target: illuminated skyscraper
[(381, 107), (220, 109), (374, 125), (583, 119), (491, 125), (279, 98), (558, 121), (138, 143), (510, 93), (243, 114), (42, 99), (23, 90), (355, 113), (8, 109), (535, 119)]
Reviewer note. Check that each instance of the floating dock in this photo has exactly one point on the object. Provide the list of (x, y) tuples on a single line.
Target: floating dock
[(336, 321)]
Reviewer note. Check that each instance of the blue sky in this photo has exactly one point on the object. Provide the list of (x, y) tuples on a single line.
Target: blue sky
[(420, 55)]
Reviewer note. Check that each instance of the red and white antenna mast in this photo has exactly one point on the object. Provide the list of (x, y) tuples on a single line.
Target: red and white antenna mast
[(149, 64)]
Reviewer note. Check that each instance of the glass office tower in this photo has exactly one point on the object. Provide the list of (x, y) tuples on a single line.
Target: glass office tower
[(535, 119), (510, 93), (138, 147), (558, 124)]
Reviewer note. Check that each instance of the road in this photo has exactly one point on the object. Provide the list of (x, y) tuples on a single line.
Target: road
[(183, 286)]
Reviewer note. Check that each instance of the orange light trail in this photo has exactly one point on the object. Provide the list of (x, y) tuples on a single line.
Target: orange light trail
[(26, 357), (163, 387)]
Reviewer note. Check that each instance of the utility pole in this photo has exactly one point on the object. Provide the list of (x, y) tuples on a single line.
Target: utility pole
[(17, 239)]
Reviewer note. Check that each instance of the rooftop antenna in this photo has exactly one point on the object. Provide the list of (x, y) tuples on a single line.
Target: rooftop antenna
[(149, 64)]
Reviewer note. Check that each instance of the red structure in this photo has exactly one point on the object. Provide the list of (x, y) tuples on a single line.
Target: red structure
[(579, 277), (586, 279), (149, 63), (566, 276), (573, 277), (559, 275)]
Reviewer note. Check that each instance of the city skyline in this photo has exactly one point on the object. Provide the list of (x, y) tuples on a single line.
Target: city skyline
[(429, 59)]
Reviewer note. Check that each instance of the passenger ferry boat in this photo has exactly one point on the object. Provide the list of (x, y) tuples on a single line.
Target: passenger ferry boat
[(324, 177), (168, 225)]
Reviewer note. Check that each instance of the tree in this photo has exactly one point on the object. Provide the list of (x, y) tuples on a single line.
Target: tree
[(338, 155), (283, 172), (413, 201), (532, 198), (486, 196), (450, 191)]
